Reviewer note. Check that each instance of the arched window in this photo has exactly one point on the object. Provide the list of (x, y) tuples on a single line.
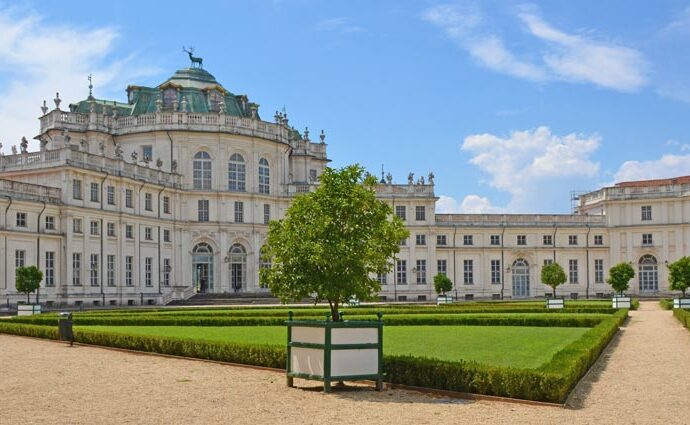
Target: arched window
[(202, 171), (649, 274), (238, 266), (202, 267), (264, 263), (237, 173), (169, 97), (520, 271), (264, 176)]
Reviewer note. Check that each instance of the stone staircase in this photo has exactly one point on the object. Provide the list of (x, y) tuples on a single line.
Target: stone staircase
[(228, 299)]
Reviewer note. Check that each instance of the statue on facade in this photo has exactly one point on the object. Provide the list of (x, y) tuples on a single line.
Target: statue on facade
[(410, 178), (14, 149), (389, 178), (431, 178), (306, 134), (92, 107), (44, 108), (44, 144), (159, 103), (183, 104), (159, 163), (57, 101), (146, 160), (1, 154), (221, 106), (114, 110), (24, 145), (173, 166), (101, 147), (194, 59), (421, 180), (84, 145), (135, 156), (322, 137), (118, 152)]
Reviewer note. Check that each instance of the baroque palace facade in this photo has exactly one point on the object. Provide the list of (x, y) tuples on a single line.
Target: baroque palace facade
[(170, 194)]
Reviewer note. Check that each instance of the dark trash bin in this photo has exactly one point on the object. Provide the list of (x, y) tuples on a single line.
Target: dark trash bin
[(65, 327)]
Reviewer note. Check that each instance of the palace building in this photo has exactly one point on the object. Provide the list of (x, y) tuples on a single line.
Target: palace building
[(170, 195)]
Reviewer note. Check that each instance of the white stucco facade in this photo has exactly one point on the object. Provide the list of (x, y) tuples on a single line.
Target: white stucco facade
[(165, 197)]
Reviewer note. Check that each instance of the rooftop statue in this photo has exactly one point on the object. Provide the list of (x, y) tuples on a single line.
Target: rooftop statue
[(199, 61), (24, 145)]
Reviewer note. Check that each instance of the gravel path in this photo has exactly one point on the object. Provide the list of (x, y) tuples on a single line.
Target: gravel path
[(643, 373)]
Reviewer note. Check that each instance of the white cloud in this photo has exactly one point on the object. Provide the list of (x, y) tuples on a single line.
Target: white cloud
[(531, 165), (563, 56), (667, 166), (340, 24), (38, 59), (471, 204)]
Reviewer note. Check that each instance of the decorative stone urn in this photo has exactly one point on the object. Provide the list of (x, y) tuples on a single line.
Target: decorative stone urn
[(555, 303), (324, 350), (621, 301), (28, 309)]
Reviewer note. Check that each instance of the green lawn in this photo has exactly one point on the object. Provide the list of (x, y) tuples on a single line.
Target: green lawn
[(516, 346)]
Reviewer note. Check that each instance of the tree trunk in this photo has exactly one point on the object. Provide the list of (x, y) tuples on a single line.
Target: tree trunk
[(554, 292), (335, 315), (28, 300)]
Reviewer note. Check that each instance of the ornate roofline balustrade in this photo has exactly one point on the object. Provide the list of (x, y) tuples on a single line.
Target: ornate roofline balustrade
[(634, 192), (521, 220), (177, 121), (70, 156), (30, 191), (416, 190)]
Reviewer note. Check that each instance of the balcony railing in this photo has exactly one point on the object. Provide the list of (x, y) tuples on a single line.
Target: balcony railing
[(634, 192), (535, 220), (405, 190), (30, 191)]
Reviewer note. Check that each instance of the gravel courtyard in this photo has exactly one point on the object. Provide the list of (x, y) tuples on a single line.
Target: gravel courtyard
[(640, 379)]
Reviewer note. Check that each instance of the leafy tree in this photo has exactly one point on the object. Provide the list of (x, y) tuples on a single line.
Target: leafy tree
[(442, 284), (619, 277), (679, 275), (553, 276), (28, 280), (332, 240)]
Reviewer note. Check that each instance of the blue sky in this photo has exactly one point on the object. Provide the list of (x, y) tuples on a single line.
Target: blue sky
[(511, 104)]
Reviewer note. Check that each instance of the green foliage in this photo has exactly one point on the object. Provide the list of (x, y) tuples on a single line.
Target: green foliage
[(683, 316), (666, 303), (28, 280), (553, 275), (442, 284), (619, 277), (332, 241), (679, 275)]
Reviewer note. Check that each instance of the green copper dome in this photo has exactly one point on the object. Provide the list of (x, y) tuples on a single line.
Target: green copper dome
[(192, 77)]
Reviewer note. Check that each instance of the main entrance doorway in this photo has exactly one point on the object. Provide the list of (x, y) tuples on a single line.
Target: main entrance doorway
[(520, 278), (238, 267), (202, 268), (649, 274)]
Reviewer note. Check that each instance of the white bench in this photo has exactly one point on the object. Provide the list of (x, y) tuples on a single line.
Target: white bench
[(681, 303), (555, 303), (621, 302), (353, 302), (447, 299)]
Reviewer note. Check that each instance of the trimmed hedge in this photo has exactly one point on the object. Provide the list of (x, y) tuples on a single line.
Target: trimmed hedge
[(552, 382), (683, 316), (666, 303), (483, 319)]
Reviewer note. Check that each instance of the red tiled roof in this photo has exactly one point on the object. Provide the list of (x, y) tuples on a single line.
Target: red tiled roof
[(656, 182)]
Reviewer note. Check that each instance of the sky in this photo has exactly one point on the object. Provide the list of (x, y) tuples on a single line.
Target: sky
[(512, 105)]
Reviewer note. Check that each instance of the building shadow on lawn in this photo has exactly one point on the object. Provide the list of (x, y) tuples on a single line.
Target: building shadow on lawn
[(582, 390)]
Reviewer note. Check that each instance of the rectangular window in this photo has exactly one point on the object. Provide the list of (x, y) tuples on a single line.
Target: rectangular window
[(129, 196), (50, 222), (572, 271), (548, 261), (548, 239), (76, 269), (495, 240), (93, 228), (421, 240), (147, 153), (598, 239), (441, 240), (401, 272), (267, 213), (495, 271), (93, 270), (166, 271), (21, 219), (647, 239), (50, 268), (129, 231), (312, 175), (468, 272), (401, 212), (166, 205), (111, 229), (572, 239), (442, 267), (148, 233), (76, 225), (598, 270), (421, 272), (148, 202), (381, 278), (110, 195), (148, 271), (420, 213), (129, 268), (264, 177), (403, 242), (646, 211), (521, 239), (239, 212), (203, 210), (166, 235), (19, 258), (76, 189), (110, 270), (94, 192), (467, 240)]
